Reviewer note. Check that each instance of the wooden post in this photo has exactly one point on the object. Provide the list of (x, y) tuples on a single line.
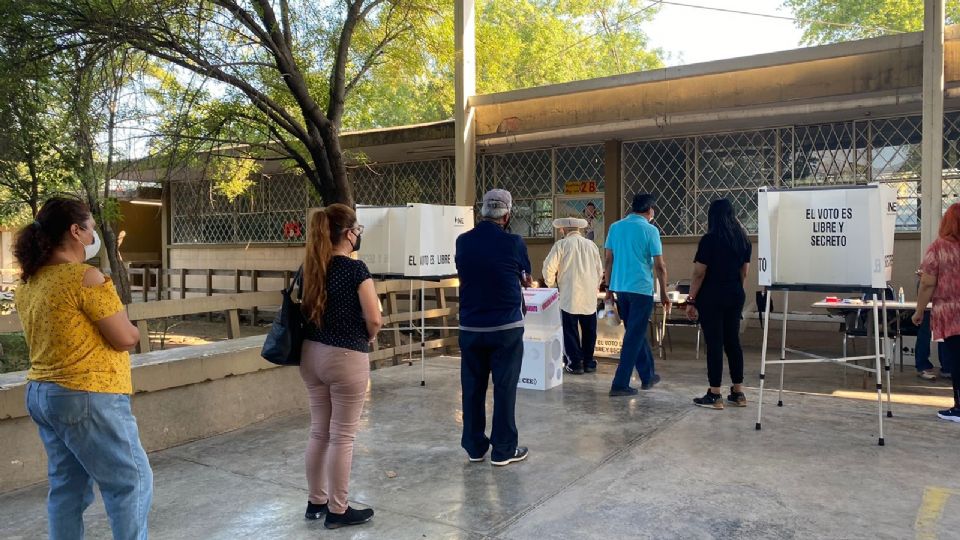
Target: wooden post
[(392, 309), (144, 329), (146, 283), (236, 283), (183, 288), (442, 304), (209, 291), (233, 324), (159, 287), (254, 275)]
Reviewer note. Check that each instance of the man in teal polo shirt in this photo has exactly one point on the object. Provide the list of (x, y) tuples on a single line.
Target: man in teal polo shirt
[(634, 256)]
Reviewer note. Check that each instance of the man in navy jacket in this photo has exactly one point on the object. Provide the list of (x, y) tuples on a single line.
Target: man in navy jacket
[(492, 265)]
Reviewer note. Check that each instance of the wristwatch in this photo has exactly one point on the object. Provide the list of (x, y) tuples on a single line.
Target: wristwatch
[(691, 301)]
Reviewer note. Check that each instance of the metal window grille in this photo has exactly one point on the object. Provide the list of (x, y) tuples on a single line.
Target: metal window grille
[(534, 177), (665, 168), (894, 159), (391, 184), (687, 173), (951, 159), (579, 164), (266, 213), (273, 210)]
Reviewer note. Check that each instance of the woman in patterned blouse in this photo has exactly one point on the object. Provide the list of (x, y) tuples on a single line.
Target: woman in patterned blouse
[(940, 282), (78, 389)]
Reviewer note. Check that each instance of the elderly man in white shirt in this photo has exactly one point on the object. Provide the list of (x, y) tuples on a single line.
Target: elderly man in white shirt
[(574, 266)]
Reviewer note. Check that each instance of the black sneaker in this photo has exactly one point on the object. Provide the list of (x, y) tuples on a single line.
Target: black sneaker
[(576, 370), (519, 454), (651, 383), (590, 369), (952, 415), (628, 391), (737, 399), (315, 511), (477, 459), (351, 517), (709, 400)]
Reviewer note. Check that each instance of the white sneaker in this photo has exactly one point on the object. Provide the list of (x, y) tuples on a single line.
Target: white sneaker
[(927, 375), (952, 415)]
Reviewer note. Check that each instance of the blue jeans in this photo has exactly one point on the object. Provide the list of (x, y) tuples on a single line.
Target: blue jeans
[(922, 351), (91, 437), (635, 310), (483, 354)]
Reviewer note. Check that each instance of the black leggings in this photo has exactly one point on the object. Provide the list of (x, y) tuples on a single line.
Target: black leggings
[(721, 330), (953, 349)]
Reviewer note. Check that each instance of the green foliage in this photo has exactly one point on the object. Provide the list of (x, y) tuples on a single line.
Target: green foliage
[(832, 21), (520, 44), (15, 356), (34, 156), (233, 176)]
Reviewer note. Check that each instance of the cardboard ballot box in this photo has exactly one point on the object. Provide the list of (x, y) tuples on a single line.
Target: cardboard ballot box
[(542, 340), (542, 367), (543, 308)]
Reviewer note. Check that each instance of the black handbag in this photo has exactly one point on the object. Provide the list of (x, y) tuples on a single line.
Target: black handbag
[(283, 343)]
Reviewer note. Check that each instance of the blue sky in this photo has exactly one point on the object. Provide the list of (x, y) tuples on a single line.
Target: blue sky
[(691, 35)]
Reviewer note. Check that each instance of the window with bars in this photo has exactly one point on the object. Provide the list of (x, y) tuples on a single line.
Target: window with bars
[(688, 173), (534, 178), (390, 184), (273, 210)]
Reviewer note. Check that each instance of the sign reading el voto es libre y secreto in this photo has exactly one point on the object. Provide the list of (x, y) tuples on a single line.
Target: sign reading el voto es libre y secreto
[(416, 240), (826, 236)]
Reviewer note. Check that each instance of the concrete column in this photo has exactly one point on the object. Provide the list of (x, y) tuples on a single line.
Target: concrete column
[(931, 169), (612, 195), (465, 143)]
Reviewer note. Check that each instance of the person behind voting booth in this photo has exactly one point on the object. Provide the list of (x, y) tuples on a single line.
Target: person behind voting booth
[(634, 256), (492, 264), (575, 268), (940, 283), (922, 349), (716, 298), (79, 383), (342, 312)]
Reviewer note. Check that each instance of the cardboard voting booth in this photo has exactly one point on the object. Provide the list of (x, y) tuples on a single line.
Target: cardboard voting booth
[(542, 367), (827, 239), (416, 240)]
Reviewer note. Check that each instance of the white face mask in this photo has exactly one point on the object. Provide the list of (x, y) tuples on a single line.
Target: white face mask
[(93, 249)]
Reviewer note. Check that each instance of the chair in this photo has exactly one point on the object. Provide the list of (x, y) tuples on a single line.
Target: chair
[(857, 324), (683, 287)]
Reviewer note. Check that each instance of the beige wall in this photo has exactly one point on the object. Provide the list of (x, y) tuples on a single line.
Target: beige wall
[(235, 258), (219, 387)]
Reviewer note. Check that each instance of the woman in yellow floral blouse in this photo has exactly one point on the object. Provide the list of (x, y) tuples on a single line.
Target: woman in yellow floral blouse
[(78, 390)]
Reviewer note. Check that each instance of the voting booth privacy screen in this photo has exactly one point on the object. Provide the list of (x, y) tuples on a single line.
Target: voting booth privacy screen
[(826, 236), (416, 240)]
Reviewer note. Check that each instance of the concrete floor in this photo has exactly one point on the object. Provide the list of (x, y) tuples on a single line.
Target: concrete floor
[(652, 466)]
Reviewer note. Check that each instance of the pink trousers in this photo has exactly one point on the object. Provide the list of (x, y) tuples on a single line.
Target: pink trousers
[(336, 382)]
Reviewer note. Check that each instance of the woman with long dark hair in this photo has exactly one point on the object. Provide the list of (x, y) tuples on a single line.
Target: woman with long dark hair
[(343, 313), (716, 297), (79, 385), (940, 283)]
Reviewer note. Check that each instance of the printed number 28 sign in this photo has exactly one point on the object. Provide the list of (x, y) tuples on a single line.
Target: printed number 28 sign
[(576, 186)]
